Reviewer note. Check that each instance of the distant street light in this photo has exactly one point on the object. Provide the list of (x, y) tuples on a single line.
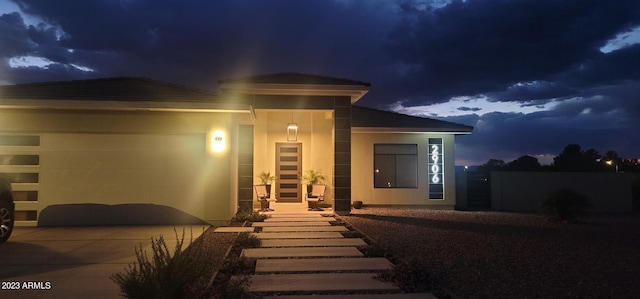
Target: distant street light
[(610, 162)]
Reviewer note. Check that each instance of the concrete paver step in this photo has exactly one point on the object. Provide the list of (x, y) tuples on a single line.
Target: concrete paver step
[(312, 242), (304, 229), (297, 219), (322, 264), (299, 235), (307, 242), (295, 215), (291, 223), (318, 282), (301, 252)]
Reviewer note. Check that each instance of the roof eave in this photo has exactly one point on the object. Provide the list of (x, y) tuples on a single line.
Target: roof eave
[(411, 130)]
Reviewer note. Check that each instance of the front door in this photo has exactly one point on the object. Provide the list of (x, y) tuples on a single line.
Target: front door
[(288, 171)]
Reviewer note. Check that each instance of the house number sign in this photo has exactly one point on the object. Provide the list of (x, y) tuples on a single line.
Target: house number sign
[(436, 169)]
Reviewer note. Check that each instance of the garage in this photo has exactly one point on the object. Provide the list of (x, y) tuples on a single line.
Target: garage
[(97, 167), (93, 170), (116, 169)]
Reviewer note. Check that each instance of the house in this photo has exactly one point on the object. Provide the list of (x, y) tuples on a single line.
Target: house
[(134, 150)]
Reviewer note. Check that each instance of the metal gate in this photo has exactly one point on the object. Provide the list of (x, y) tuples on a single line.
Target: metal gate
[(478, 191)]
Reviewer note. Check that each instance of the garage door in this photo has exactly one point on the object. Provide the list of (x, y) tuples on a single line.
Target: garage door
[(111, 169)]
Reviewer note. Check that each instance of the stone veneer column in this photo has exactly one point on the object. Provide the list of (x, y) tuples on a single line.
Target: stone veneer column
[(342, 155)]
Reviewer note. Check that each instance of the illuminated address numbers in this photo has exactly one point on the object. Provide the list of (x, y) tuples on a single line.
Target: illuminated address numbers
[(436, 169)]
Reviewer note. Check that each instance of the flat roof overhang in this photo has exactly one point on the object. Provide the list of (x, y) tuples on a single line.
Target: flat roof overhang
[(356, 92)]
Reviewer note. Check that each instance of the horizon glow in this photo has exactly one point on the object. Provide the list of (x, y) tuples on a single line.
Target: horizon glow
[(466, 105)]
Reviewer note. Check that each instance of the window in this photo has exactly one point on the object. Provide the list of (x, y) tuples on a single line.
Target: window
[(19, 140), (395, 165), (19, 160)]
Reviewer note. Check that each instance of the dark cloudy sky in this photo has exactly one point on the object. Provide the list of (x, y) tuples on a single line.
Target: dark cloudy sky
[(530, 75)]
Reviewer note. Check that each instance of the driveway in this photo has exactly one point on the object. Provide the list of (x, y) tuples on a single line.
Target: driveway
[(76, 262)]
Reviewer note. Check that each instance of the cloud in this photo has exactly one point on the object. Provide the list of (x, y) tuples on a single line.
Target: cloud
[(199, 42), (590, 122), (476, 47), (543, 55), (472, 109), (32, 53), (529, 75), (14, 36), (611, 68), (414, 51)]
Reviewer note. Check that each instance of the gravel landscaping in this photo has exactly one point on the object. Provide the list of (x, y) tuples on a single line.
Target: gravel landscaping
[(512, 255)]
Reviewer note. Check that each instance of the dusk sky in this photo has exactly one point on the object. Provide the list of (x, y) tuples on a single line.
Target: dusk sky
[(531, 76)]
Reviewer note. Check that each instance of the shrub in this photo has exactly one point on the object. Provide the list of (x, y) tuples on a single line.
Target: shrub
[(251, 216), (247, 240), (238, 266), (565, 204), (409, 275), (236, 287), (164, 275)]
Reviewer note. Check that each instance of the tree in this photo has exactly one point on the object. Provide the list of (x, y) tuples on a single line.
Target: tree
[(524, 163), (611, 160), (630, 165), (573, 158), (611, 156), (492, 165)]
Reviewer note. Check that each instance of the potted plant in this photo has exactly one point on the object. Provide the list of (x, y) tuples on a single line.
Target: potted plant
[(266, 179), (312, 177), (357, 204)]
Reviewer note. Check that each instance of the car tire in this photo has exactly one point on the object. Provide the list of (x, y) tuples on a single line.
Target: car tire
[(6, 220)]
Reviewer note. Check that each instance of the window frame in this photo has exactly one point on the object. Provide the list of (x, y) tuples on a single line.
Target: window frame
[(392, 152)]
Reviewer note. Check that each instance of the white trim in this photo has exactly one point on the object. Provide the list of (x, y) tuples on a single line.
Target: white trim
[(122, 105)]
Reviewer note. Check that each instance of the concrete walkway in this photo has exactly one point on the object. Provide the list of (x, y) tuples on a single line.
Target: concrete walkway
[(303, 253), (76, 262)]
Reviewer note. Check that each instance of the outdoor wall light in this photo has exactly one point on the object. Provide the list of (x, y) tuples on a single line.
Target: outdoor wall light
[(218, 141), (292, 132)]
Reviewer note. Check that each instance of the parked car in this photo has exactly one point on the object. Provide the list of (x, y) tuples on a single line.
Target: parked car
[(7, 209)]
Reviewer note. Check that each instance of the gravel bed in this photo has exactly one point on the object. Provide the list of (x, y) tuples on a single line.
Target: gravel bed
[(215, 246), (513, 255)]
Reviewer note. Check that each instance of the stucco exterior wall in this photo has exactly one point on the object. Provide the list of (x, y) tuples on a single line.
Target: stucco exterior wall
[(524, 191), (104, 167), (362, 177)]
